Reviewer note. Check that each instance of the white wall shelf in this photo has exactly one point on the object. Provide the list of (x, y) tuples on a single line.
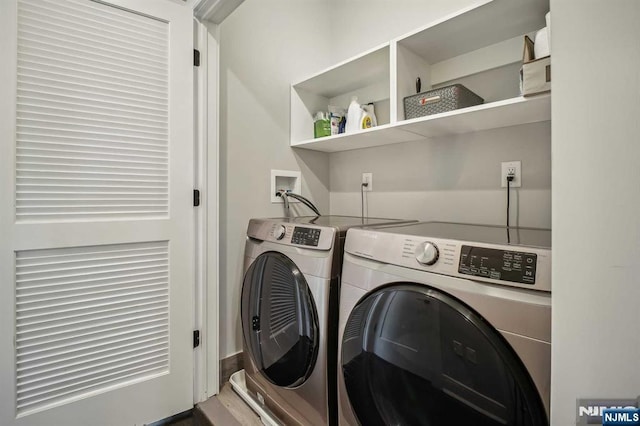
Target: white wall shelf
[(376, 136), (505, 113), (366, 76), (480, 47), (484, 23), (360, 71)]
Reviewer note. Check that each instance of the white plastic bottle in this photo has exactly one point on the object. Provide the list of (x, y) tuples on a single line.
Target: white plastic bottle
[(368, 117), (354, 116)]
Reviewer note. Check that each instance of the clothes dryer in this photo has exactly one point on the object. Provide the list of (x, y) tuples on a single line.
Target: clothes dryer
[(289, 313), (445, 324)]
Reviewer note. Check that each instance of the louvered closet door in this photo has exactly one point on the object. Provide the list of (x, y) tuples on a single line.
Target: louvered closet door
[(96, 245)]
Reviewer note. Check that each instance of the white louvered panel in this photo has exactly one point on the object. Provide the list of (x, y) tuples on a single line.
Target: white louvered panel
[(92, 113), (89, 319)]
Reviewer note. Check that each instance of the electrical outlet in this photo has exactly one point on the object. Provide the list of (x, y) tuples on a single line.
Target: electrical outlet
[(368, 179), (511, 168)]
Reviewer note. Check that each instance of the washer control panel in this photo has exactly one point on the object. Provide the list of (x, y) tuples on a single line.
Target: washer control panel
[(524, 267), (305, 236), (504, 265)]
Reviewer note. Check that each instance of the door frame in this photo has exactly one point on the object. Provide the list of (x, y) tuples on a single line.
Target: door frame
[(206, 177)]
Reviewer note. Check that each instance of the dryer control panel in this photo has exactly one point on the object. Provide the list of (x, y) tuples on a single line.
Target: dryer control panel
[(506, 265)]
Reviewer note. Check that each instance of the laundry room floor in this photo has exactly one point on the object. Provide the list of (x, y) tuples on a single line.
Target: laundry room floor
[(224, 409)]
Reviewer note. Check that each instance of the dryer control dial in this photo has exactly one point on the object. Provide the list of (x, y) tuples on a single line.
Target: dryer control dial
[(427, 253), (279, 232)]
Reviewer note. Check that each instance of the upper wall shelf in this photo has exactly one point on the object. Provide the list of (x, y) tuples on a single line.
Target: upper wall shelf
[(368, 68), (480, 47), (482, 24), (509, 112)]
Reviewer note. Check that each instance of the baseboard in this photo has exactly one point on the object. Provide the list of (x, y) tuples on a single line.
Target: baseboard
[(230, 365)]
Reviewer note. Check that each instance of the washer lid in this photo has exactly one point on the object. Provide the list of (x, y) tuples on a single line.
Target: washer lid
[(414, 355), (488, 234), (279, 320)]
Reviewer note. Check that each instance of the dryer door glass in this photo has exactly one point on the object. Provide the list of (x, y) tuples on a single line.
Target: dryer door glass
[(279, 320), (412, 355)]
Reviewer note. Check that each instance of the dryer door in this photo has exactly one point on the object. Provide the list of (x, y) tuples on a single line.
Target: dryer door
[(412, 355), (279, 320)]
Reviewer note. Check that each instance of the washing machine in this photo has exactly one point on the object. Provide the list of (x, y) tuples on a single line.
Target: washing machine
[(289, 314), (445, 324)]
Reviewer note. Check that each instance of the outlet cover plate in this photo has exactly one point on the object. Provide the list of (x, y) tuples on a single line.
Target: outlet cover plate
[(515, 166), (368, 178)]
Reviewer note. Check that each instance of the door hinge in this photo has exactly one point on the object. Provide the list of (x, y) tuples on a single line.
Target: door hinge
[(196, 338), (196, 58), (196, 197)]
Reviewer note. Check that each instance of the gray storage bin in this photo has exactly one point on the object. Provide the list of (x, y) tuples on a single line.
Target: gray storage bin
[(440, 100)]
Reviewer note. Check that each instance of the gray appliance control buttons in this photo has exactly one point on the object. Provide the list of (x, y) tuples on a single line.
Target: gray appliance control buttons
[(305, 236), (427, 253)]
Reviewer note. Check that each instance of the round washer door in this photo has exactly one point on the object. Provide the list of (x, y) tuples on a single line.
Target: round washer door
[(412, 355), (279, 320)]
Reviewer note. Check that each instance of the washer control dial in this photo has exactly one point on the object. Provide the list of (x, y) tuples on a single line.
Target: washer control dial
[(279, 232), (427, 253)]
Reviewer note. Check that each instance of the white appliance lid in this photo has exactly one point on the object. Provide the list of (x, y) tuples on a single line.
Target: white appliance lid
[(488, 234)]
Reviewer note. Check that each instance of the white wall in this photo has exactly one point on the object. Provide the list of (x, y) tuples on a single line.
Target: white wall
[(456, 178), (264, 45), (596, 202)]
